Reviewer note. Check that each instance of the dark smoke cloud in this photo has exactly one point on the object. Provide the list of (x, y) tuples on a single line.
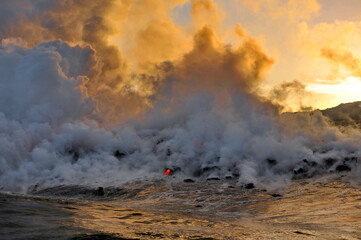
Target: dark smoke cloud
[(290, 93)]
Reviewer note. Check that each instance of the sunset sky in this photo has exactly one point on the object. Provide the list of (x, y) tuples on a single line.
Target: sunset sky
[(294, 33), (301, 54)]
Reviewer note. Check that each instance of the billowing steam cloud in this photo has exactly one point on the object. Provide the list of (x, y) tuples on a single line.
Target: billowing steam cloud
[(344, 58), (103, 92), (44, 83)]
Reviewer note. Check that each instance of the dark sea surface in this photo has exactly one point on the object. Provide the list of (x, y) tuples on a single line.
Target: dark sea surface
[(173, 209)]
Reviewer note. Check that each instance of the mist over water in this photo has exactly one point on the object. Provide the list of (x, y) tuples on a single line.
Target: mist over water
[(75, 111)]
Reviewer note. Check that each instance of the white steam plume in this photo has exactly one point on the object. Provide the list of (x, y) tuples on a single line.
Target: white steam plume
[(202, 117)]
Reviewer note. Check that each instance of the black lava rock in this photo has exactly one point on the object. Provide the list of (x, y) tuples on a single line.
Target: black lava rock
[(99, 191), (213, 179), (276, 195), (249, 186), (188, 180), (118, 154), (271, 161), (343, 168), (329, 161), (299, 170), (235, 175), (310, 163), (211, 168), (160, 141), (350, 159)]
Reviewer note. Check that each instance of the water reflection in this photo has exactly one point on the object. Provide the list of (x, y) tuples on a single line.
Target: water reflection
[(203, 210)]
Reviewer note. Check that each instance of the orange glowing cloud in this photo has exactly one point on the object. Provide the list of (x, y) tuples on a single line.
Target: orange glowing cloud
[(138, 45)]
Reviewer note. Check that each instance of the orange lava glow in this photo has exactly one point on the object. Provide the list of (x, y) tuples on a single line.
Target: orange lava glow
[(167, 172)]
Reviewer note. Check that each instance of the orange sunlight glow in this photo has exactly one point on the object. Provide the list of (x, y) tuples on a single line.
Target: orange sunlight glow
[(342, 91)]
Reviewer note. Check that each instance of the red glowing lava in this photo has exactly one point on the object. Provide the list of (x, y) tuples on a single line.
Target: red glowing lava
[(167, 172)]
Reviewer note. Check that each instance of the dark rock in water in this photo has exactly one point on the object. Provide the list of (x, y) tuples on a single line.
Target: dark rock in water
[(249, 186), (118, 154), (212, 168), (136, 214), (302, 233), (198, 206), (343, 168), (100, 236), (276, 195), (271, 161), (329, 162), (99, 192), (150, 235), (299, 170), (309, 163), (213, 179), (160, 141), (235, 175), (350, 160), (188, 180)]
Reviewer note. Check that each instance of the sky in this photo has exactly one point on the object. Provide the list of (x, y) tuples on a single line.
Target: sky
[(306, 53), (294, 34)]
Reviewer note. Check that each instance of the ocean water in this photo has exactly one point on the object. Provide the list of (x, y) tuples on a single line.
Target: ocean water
[(167, 208)]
